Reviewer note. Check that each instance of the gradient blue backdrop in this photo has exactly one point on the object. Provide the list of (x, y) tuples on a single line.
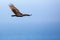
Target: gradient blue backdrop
[(44, 24)]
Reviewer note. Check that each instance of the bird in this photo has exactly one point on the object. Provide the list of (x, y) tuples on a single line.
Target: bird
[(16, 12)]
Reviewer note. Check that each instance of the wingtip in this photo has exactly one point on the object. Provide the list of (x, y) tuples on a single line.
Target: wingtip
[(11, 4)]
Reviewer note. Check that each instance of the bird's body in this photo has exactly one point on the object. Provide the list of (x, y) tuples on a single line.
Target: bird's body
[(16, 11)]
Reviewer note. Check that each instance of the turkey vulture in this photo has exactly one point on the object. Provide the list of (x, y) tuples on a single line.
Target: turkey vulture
[(17, 12)]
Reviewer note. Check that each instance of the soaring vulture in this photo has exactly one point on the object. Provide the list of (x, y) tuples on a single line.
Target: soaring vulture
[(17, 12)]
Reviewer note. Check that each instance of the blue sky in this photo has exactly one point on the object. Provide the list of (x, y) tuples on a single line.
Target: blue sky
[(43, 24), (41, 10)]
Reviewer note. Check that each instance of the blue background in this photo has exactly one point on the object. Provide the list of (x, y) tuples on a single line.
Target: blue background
[(44, 24)]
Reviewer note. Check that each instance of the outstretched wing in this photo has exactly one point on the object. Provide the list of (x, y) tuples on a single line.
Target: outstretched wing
[(15, 10)]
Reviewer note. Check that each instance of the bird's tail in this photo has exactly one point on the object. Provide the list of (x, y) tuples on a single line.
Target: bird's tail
[(13, 15)]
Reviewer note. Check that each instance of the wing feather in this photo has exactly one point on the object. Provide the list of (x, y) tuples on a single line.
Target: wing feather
[(15, 10)]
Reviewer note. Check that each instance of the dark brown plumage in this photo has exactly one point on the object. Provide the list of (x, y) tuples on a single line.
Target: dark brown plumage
[(16, 11)]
